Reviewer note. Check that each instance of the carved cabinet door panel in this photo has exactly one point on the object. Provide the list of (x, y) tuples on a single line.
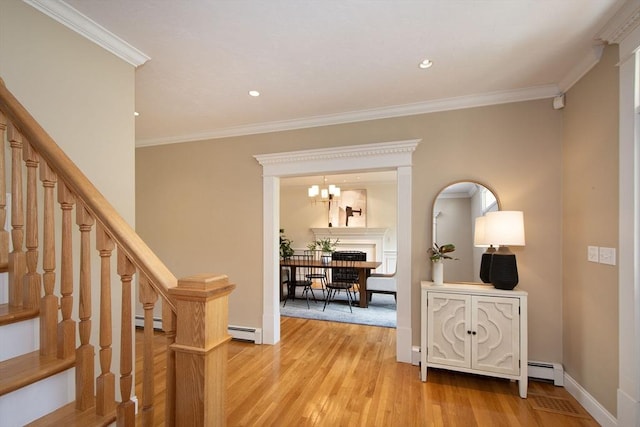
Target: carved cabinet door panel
[(448, 338), (496, 341)]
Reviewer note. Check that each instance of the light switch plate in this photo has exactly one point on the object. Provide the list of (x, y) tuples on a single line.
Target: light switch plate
[(592, 254), (607, 256)]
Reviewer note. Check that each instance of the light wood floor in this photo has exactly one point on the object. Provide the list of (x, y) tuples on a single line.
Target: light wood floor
[(334, 374)]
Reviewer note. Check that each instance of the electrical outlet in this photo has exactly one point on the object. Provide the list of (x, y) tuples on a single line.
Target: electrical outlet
[(592, 254), (607, 256)]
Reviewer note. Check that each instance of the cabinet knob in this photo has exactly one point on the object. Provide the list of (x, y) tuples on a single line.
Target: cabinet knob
[(473, 333), (469, 332)]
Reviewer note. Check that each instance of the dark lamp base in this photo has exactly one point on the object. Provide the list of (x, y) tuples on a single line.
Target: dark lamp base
[(504, 271), (485, 267)]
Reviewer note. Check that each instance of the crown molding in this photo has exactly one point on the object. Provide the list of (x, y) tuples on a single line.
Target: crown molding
[(446, 104), (91, 30), (581, 68), (380, 156), (343, 152), (623, 22)]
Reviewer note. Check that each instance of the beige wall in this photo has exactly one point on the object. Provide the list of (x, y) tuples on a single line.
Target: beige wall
[(83, 97), (199, 203), (590, 218), (298, 215)]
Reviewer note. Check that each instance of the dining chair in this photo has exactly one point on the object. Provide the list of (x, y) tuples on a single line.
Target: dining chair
[(317, 273), (382, 284), (347, 274), (341, 282), (301, 263)]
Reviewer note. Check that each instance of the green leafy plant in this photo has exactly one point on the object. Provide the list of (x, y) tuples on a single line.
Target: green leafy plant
[(285, 245), (325, 245), (437, 253)]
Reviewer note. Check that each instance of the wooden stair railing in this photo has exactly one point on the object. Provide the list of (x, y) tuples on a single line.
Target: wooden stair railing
[(195, 309)]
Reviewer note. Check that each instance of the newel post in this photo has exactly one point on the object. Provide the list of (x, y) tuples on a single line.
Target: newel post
[(200, 348)]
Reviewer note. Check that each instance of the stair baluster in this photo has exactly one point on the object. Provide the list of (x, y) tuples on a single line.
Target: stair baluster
[(66, 327), (126, 409), (4, 235), (85, 353), (32, 280), (49, 302), (148, 298), (17, 260), (169, 327), (105, 384)]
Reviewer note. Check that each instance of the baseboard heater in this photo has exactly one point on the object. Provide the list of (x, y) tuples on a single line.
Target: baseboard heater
[(539, 370), (157, 322), (237, 332), (546, 371), (245, 334)]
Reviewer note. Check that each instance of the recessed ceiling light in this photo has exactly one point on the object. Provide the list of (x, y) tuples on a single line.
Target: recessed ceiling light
[(254, 93), (426, 63), (136, 114)]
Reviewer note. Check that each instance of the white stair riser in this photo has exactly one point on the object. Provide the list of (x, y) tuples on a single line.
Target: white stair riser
[(24, 338), (32, 402)]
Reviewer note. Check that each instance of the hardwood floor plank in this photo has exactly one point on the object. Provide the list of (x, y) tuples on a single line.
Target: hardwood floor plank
[(335, 374)]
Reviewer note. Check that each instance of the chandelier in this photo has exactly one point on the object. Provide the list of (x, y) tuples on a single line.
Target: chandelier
[(324, 194)]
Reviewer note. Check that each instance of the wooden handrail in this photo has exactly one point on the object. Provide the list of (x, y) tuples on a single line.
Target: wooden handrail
[(160, 278)]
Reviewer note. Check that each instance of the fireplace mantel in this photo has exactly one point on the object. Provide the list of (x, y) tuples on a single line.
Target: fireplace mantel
[(349, 232), (365, 239)]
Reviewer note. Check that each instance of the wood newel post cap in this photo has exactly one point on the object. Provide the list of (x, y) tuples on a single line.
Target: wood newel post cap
[(206, 284)]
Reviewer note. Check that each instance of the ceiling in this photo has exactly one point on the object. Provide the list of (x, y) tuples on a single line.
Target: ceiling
[(325, 62)]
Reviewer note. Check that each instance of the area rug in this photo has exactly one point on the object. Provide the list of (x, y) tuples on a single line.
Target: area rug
[(381, 310)]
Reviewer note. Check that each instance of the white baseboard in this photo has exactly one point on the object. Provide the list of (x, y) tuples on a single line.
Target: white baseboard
[(404, 347), (628, 410), (588, 402), (415, 355)]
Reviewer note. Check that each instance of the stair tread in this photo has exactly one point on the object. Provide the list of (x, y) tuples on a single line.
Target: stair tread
[(16, 314), (69, 416), (29, 368)]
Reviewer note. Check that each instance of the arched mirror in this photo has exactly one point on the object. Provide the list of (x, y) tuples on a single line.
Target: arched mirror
[(455, 210)]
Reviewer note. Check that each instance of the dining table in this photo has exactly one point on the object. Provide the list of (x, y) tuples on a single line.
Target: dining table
[(364, 270)]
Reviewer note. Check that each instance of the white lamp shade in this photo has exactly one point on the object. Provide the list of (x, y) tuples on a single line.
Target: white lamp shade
[(505, 228), (479, 234), (314, 190)]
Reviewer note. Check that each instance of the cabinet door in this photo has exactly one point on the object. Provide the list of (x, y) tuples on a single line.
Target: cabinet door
[(496, 342), (448, 317)]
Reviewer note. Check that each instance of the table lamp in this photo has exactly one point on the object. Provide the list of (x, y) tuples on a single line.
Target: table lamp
[(480, 241), (504, 228)]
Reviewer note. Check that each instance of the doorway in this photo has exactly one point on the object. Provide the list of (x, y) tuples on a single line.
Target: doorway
[(387, 155), (307, 217)]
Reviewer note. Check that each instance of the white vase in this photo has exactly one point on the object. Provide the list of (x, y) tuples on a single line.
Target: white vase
[(438, 273), (326, 258)]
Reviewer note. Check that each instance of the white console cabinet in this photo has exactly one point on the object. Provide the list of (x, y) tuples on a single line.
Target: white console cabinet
[(474, 328)]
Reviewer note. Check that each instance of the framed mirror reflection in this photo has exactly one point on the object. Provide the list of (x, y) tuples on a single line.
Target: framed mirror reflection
[(455, 210)]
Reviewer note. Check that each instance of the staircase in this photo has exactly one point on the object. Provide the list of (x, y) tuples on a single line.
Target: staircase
[(66, 334)]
